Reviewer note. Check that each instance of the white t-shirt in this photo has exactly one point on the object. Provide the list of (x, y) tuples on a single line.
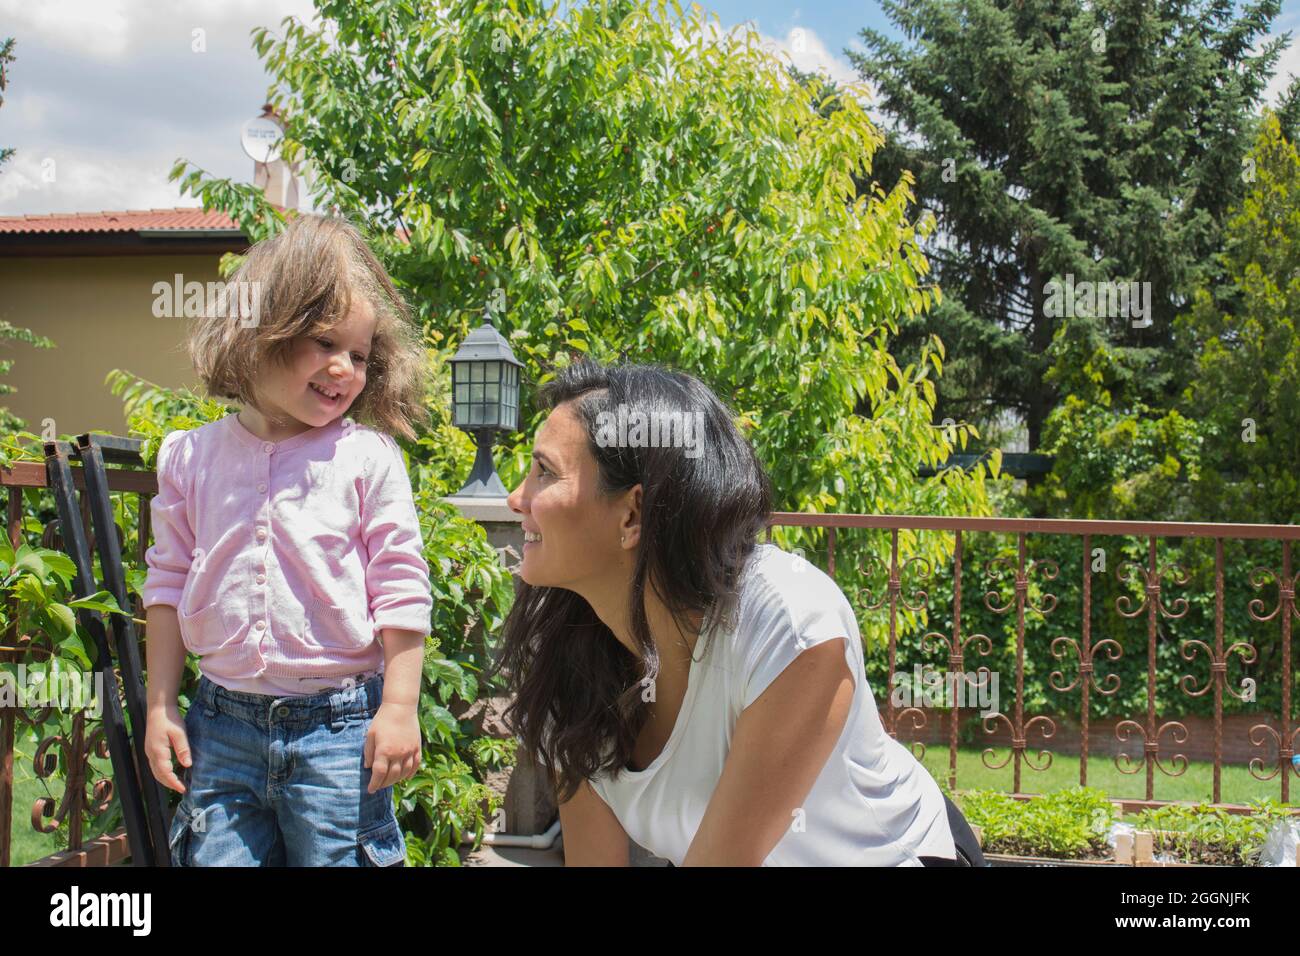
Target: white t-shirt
[(873, 804)]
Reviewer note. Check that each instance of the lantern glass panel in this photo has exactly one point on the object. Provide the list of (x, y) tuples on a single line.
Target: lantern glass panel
[(510, 397)]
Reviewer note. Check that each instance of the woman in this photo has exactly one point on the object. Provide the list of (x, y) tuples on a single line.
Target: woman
[(690, 688)]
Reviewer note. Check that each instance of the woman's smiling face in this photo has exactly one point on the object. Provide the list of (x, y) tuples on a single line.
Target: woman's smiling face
[(577, 529)]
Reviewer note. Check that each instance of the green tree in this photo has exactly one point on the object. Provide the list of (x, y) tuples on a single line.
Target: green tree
[(621, 181), (1247, 375), (1101, 140), (1226, 451)]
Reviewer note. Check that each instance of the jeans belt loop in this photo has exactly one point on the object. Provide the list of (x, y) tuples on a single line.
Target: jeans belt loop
[(361, 690), (338, 707)]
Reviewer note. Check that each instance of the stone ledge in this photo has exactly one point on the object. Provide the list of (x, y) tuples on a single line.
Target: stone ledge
[(484, 509)]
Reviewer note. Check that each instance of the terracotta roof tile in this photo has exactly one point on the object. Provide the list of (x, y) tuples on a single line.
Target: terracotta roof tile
[(126, 221)]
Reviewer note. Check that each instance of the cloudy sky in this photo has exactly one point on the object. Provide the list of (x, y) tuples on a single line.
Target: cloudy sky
[(106, 94)]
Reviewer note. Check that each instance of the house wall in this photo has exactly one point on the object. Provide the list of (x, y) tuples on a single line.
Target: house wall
[(99, 312)]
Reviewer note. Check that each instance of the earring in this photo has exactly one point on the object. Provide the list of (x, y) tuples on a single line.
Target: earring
[(622, 539)]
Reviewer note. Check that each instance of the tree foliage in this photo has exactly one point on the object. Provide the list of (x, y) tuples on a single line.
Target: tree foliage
[(1226, 449), (627, 180), (1100, 140), (1246, 387)]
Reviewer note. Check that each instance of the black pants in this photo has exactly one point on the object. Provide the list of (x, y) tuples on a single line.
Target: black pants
[(963, 837)]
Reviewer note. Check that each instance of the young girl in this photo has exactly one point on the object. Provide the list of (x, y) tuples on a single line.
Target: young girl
[(288, 558)]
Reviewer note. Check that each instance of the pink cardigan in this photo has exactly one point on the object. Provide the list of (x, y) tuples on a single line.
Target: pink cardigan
[(285, 560)]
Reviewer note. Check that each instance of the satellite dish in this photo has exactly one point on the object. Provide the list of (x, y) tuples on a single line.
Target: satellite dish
[(260, 138)]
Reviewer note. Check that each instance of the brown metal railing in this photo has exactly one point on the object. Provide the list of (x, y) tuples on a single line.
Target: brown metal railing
[(1084, 650), (75, 750)]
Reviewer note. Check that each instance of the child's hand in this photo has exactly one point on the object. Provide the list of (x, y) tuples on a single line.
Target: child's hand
[(392, 745), (165, 732)]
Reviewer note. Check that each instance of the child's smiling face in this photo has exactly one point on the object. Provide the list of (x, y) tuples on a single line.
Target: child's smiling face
[(332, 362)]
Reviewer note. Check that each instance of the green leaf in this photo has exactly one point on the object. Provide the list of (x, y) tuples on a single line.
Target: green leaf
[(62, 619), (809, 275), (31, 562), (99, 601), (74, 646)]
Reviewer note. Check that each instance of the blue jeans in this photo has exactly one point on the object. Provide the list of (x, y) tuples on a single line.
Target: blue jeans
[(279, 781)]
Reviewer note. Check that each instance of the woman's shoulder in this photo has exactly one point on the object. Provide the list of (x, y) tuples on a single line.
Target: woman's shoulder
[(787, 606), (778, 580)]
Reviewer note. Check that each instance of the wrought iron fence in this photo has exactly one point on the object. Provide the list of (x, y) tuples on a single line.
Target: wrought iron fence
[(1273, 735), (70, 752)]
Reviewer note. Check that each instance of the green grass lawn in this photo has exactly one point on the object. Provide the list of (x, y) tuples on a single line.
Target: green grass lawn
[(27, 844), (1194, 784)]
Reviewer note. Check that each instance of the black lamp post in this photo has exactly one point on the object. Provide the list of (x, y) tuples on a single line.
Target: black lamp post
[(485, 400)]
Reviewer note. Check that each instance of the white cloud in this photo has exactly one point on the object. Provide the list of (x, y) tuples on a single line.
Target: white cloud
[(806, 50), (87, 182), (801, 47), (114, 30), (27, 108), (113, 92), (99, 28)]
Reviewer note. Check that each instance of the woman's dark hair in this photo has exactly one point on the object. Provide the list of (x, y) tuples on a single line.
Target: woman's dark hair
[(576, 688)]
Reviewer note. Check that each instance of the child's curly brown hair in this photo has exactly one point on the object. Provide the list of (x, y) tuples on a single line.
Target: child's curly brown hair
[(307, 276)]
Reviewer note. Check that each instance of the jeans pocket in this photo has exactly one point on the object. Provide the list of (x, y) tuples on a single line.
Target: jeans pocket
[(178, 840), (381, 845)]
